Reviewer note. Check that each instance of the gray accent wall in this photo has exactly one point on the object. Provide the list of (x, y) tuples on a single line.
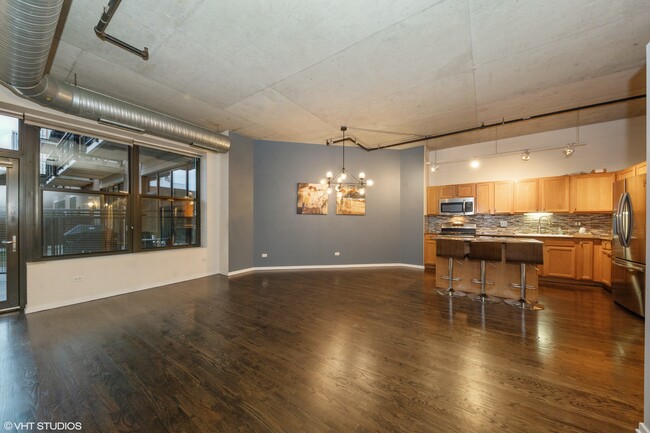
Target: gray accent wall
[(240, 203), (412, 206), (290, 239)]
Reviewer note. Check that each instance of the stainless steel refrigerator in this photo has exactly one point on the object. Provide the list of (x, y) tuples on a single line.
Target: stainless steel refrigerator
[(628, 262)]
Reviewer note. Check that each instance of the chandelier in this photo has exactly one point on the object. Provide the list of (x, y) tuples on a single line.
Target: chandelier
[(344, 178)]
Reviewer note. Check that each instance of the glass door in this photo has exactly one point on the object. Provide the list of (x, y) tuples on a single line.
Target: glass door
[(9, 290)]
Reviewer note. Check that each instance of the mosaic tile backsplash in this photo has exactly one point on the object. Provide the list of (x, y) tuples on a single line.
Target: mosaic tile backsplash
[(567, 224)]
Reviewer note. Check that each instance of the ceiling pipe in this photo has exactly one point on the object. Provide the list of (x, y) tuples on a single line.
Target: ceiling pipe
[(26, 32), (100, 31), (482, 126)]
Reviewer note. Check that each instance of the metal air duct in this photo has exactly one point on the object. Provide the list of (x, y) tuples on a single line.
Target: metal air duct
[(26, 32)]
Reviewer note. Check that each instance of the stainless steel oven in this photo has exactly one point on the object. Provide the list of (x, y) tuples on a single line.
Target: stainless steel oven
[(456, 206)]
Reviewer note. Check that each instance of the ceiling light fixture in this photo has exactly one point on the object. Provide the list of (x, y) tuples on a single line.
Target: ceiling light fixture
[(341, 178), (435, 166), (568, 150), (475, 163), (525, 156)]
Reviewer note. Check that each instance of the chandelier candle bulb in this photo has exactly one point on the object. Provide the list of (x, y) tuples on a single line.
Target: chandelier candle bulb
[(359, 183)]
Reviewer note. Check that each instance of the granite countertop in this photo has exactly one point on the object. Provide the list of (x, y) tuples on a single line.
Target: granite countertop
[(496, 239), (508, 234)]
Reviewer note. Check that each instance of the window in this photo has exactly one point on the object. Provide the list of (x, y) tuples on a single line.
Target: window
[(84, 194), (169, 199), (8, 133)]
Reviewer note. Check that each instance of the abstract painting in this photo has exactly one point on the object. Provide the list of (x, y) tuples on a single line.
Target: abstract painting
[(312, 199), (350, 202)]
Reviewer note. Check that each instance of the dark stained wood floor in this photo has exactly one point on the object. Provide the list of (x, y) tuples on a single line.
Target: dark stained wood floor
[(325, 351)]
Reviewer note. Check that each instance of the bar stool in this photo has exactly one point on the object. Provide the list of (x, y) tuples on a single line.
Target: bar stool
[(524, 254), (453, 249), (485, 252)]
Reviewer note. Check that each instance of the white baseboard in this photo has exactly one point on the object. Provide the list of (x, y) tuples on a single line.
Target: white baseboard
[(97, 296), (642, 428), (307, 267)]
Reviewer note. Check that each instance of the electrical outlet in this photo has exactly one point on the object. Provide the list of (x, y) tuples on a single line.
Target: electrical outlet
[(504, 223), (264, 255), (337, 253)]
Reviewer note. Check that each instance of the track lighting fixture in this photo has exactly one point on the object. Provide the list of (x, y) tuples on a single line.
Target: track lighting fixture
[(525, 156)]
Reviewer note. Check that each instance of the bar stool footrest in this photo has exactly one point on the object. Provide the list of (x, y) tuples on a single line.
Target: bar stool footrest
[(524, 304), (477, 281), (447, 277), (484, 298), (451, 293)]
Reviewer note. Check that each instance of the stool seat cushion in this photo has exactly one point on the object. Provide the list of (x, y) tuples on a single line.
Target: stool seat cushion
[(525, 253), (451, 248), (490, 251)]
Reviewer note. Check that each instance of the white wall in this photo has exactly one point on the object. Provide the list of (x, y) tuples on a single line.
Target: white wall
[(611, 145), (55, 283)]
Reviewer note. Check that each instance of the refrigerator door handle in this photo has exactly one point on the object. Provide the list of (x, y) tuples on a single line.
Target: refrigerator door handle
[(624, 220), (628, 265)]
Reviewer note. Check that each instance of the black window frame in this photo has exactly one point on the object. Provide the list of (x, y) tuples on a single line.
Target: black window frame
[(133, 195)]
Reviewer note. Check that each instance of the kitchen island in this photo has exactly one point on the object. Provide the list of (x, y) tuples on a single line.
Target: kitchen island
[(502, 273)]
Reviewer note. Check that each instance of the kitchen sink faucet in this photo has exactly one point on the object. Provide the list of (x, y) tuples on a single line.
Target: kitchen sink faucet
[(539, 223)]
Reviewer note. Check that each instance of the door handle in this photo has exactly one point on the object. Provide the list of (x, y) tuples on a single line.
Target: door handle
[(12, 242)]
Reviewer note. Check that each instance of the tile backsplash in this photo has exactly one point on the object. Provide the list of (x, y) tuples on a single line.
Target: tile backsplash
[(568, 224)]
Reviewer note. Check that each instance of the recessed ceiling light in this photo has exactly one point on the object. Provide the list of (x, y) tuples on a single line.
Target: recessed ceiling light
[(474, 163)]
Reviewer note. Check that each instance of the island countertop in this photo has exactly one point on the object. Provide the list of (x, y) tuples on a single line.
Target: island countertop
[(497, 239)]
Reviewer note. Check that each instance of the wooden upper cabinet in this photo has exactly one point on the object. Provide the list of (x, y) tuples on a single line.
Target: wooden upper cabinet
[(466, 190), (554, 194), (503, 196), (462, 190), (485, 198), (447, 191), (626, 172), (641, 168), (592, 192), (526, 196), (432, 200)]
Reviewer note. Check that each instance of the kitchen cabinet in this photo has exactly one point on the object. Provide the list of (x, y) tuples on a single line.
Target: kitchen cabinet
[(626, 172), (592, 192), (485, 198), (584, 253), (526, 196), (641, 168), (554, 194), (606, 263), (633, 170), (432, 200), (559, 258), (462, 190), (466, 190), (447, 191), (429, 251), (503, 197)]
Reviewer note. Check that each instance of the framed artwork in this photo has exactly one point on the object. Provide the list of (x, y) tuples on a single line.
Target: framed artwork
[(350, 202), (312, 199)]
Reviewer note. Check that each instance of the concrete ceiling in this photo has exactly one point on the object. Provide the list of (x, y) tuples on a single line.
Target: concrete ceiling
[(296, 70)]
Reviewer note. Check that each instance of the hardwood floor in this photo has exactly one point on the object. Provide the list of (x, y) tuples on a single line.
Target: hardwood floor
[(324, 351)]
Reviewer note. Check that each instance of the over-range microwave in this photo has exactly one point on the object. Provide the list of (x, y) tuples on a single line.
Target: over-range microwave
[(456, 206)]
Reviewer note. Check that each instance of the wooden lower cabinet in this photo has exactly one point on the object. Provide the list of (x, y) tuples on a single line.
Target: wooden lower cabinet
[(606, 263), (429, 251), (559, 258), (584, 259)]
